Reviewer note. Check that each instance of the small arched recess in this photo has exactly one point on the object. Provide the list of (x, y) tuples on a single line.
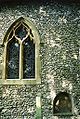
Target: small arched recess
[(21, 54), (62, 104)]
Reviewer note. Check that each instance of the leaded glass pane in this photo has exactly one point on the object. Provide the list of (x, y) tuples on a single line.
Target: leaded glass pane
[(13, 59), (21, 32), (29, 59)]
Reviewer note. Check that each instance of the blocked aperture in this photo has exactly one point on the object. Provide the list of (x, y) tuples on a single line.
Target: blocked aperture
[(62, 103)]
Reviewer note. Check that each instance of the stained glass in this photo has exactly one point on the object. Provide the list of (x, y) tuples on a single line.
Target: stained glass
[(13, 60), (21, 32), (29, 59)]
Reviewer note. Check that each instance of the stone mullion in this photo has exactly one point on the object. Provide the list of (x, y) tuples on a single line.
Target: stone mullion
[(21, 62)]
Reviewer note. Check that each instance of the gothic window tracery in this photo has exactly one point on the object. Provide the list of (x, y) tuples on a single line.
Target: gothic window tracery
[(22, 52)]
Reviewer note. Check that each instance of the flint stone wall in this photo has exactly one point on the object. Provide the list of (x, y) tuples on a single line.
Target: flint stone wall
[(59, 29)]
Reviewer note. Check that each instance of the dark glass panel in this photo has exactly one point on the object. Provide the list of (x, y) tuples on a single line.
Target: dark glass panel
[(10, 35), (13, 60), (29, 59), (26, 25), (21, 32), (31, 32), (62, 103)]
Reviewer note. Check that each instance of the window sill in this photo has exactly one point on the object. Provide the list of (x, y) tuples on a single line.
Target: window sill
[(19, 82)]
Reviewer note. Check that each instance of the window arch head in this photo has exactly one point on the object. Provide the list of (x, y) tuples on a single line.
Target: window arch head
[(62, 104), (21, 52)]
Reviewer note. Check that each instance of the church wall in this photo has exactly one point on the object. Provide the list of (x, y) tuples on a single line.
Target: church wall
[(59, 29)]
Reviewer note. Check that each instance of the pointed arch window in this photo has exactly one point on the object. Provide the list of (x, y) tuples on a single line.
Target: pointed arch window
[(21, 53), (62, 104)]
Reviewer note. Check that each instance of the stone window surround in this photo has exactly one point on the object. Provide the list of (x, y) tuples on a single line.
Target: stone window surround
[(20, 81)]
